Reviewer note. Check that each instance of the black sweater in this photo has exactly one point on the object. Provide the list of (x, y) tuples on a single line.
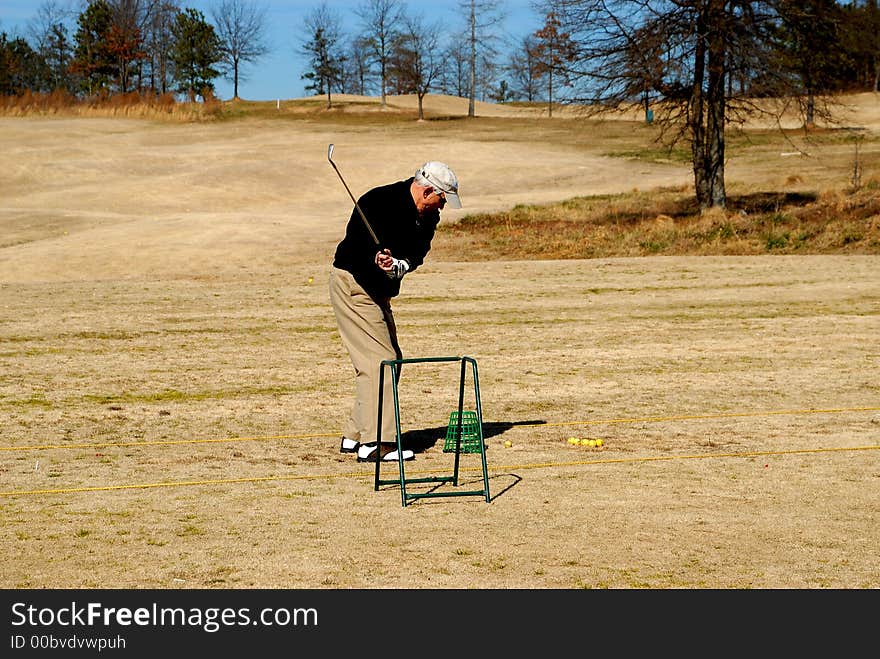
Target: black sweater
[(392, 213)]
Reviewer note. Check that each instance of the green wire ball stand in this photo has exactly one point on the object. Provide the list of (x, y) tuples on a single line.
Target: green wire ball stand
[(465, 430)]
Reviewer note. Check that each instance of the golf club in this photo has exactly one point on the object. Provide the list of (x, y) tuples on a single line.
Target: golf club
[(363, 217)]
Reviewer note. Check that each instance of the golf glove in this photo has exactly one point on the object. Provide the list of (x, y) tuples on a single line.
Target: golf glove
[(399, 267)]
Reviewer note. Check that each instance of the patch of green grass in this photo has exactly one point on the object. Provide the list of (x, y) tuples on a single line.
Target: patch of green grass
[(20, 339), (32, 401), (189, 531), (653, 246), (852, 234), (779, 219), (775, 241), (725, 231), (32, 352), (297, 494), (498, 564), (655, 155), (175, 395), (580, 584), (109, 335)]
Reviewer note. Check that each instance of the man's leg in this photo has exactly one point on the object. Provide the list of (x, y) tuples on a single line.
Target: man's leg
[(368, 333)]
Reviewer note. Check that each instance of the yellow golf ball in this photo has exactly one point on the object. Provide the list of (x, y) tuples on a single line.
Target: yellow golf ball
[(588, 442), (599, 442), (574, 441), (508, 444)]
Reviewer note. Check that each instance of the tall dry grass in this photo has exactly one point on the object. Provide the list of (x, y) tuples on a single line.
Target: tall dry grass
[(669, 222), (135, 105)]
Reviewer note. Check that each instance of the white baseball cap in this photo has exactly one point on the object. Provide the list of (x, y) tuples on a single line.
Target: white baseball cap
[(438, 175)]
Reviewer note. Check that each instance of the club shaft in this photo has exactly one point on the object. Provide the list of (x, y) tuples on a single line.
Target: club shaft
[(356, 205)]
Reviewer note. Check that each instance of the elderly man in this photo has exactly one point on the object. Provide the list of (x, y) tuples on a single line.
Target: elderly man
[(365, 277)]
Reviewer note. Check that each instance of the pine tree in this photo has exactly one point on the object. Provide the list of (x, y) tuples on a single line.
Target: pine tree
[(196, 51), (92, 59), (325, 64), (21, 68)]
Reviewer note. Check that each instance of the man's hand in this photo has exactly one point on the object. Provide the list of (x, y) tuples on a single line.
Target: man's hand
[(394, 268)]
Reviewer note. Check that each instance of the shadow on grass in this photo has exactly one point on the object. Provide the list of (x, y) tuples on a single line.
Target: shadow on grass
[(769, 202), (505, 482), (508, 480), (425, 438), (687, 206)]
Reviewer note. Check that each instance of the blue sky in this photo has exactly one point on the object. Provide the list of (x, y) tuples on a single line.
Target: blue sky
[(278, 75)]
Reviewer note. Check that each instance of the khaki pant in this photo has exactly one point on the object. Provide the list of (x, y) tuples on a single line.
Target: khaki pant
[(369, 334)]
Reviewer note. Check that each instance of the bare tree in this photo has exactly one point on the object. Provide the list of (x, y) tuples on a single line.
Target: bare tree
[(488, 71), (694, 40), (381, 19), (50, 33), (158, 42), (417, 60), (482, 16), (241, 26), (644, 59), (358, 74), (524, 70), (455, 76)]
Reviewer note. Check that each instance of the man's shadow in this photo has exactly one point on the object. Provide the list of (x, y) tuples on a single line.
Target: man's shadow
[(424, 438)]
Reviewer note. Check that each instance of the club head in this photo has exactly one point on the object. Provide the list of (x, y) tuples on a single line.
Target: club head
[(330, 152)]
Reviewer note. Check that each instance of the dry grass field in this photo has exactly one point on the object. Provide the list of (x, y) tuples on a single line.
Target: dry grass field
[(172, 384)]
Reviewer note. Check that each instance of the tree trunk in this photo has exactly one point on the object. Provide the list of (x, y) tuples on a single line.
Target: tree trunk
[(707, 110), (421, 110), (696, 115), (471, 108), (384, 103), (810, 113), (715, 120)]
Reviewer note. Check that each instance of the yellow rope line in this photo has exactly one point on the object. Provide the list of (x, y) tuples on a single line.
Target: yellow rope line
[(538, 465), (720, 415), (658, 458), (260, 438)]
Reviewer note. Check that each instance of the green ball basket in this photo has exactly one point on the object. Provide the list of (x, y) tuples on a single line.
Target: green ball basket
[(470, 433)]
